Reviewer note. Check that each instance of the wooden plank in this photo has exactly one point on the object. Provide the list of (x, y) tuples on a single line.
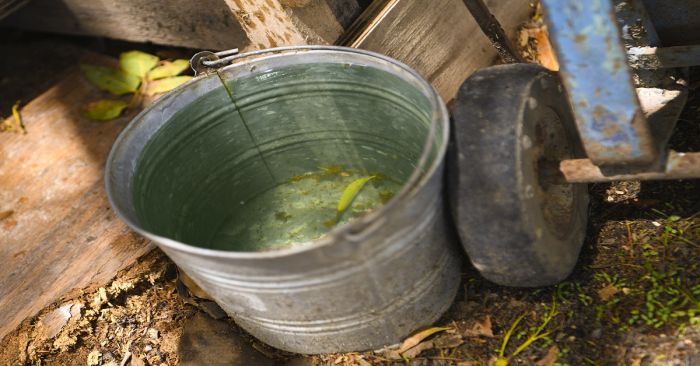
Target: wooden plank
[(202, 24), (57, 231), (195, 24), (438, 38), (273, 23)]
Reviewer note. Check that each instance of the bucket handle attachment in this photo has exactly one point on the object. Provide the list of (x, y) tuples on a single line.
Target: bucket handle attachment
[(206, 61)]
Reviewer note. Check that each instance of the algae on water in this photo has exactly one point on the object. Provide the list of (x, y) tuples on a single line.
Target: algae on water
[(303, 208)]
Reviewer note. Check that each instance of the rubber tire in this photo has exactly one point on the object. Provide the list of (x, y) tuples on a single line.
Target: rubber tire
[(493, 183)]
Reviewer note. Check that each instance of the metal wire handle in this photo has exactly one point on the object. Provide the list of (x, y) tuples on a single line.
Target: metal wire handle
[(205, 61)]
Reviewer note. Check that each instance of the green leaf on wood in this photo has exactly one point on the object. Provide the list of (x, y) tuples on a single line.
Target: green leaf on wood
[(112, 80), (137, 63), (166, 84), (104, 110), (168, 69)]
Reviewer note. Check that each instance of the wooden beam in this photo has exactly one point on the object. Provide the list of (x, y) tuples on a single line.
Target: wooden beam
[(273, 23), (266, 23), (58, 232), (196, 24), (438, 38), (201, 24)]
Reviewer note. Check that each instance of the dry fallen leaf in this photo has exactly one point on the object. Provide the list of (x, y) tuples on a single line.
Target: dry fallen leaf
[(166, 84), (415, 351), (104, 110), (607, 292), (550, 358), (448, 341), (482, 329), (137, 63), (413, 340)]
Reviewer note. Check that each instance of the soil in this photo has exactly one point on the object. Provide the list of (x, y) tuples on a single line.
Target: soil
[(633, 299)]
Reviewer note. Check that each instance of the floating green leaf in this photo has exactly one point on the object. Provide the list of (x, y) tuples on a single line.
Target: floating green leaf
[(104, 110), (349, 194), (168, 69), (166, 84), (112, 80), (137, 63)]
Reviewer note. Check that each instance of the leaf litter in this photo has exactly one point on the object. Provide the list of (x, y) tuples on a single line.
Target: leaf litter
[(138, 313), (138, 73), (415, 339)]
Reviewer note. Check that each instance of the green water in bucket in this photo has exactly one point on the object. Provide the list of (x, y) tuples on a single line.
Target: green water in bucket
[(298, 211), (268, 171)]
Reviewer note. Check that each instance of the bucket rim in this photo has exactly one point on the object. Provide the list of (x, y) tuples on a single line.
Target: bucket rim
[(362, 224)]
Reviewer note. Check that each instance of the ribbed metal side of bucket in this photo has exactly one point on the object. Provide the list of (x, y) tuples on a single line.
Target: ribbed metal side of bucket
[(363, 285), (361, 293)]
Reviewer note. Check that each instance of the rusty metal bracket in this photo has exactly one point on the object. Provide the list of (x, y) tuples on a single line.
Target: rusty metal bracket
[(678, 166)]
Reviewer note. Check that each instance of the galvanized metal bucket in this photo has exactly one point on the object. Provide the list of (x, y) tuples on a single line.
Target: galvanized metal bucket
[(199, 153)]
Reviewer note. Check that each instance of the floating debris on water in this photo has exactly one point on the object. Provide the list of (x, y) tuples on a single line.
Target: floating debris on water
[(282, 216), (349, 194), (303, 208)]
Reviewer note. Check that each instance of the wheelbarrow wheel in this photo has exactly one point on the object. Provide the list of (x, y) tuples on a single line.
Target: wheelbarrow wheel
[(519, 224)]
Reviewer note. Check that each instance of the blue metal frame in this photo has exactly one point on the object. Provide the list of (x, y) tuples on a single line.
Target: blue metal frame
[(594, 70)]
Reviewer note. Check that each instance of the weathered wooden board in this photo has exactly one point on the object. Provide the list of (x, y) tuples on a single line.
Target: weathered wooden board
[(197, 24), (57, 231), (438, 38), (203, 24)]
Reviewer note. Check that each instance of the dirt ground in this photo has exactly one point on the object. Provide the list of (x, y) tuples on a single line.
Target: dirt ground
[(634, 298)]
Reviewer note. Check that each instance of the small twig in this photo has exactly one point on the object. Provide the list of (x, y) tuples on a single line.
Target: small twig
[(127, 358), (440, 358)]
